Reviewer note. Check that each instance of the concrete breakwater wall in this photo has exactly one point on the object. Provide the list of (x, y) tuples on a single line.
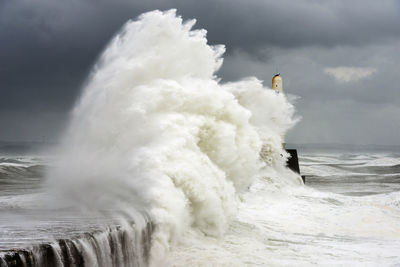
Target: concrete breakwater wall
[(115, 246)]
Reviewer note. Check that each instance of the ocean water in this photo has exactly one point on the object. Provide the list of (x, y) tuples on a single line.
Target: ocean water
[(348, 213), (162, 164), (35, 230)]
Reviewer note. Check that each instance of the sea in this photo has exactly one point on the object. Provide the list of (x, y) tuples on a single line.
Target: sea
[(346, 214), (165, 164)]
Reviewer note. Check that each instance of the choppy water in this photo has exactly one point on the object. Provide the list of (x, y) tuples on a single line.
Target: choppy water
[(34, 232), (348, 214), (354, 174)]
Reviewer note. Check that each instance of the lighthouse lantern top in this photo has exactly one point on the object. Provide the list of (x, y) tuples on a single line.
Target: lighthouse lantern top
[(277, 83)]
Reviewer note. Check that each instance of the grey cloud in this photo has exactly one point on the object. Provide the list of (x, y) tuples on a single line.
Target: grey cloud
[(250, 24), (48, 47), (363, 111)]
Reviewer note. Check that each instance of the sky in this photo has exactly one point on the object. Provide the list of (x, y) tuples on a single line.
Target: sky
[(339, 59)]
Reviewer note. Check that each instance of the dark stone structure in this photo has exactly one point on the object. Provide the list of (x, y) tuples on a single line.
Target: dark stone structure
[(293, 162), (116, 242)]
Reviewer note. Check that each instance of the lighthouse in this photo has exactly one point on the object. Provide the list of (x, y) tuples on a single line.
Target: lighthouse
[(277, 86), (277, 83), (292, 161)]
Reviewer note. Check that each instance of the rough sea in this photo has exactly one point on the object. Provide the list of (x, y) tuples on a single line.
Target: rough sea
[(347, 214)]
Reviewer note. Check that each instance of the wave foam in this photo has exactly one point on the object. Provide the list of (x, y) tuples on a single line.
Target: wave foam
[(155, 130)]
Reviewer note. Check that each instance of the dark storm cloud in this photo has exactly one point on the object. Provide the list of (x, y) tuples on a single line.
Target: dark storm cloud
[(47, 48), (286, 23)]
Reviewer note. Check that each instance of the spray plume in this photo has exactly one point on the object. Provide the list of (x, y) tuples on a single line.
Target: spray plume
[(156, 132)]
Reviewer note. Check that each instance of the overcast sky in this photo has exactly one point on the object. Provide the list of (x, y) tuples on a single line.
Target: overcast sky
[(340, 57)]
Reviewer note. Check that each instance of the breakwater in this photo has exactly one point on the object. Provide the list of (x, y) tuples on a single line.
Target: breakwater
[(115, 246)]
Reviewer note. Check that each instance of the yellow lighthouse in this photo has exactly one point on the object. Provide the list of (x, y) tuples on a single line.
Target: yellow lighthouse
[(277, 83), (277, 86)]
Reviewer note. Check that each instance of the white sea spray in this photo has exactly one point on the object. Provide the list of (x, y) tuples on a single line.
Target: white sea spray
[(156, 131)]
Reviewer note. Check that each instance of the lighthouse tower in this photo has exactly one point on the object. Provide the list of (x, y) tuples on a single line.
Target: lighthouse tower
[(277, 83), (293, 161), (277, 86)]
